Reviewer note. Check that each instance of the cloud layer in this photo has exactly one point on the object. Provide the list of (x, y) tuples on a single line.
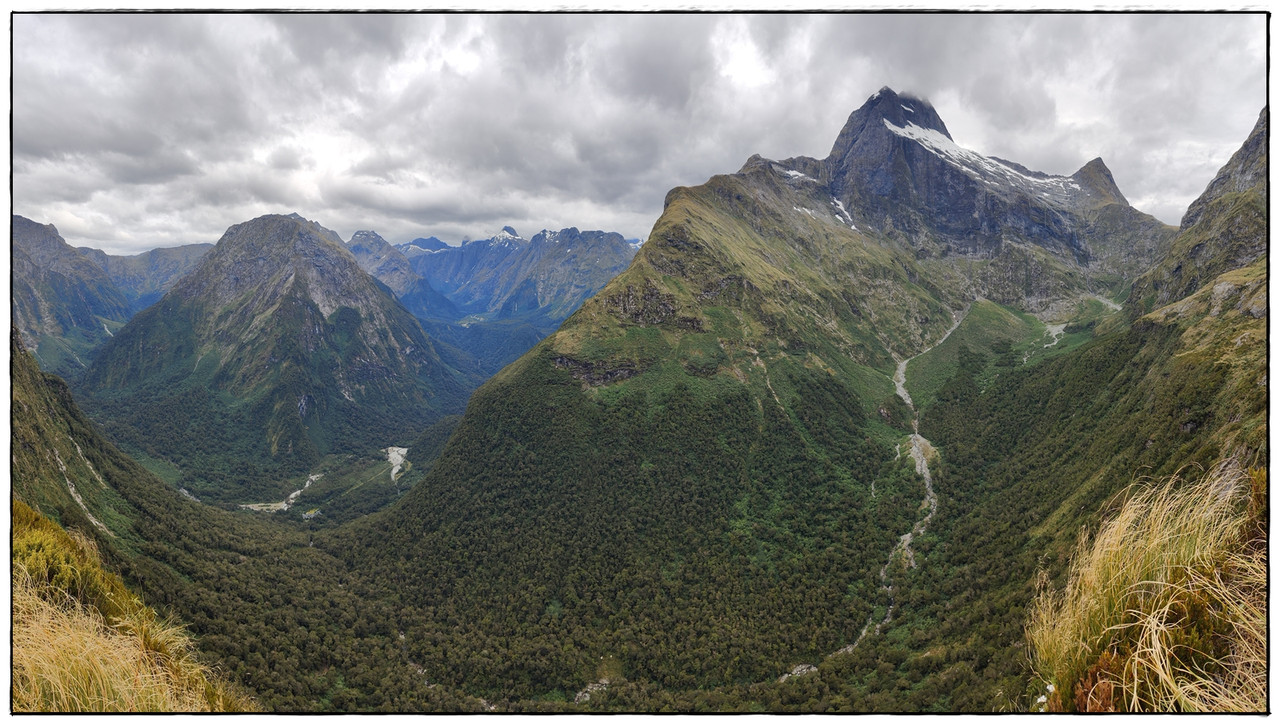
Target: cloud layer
[(132, 131)]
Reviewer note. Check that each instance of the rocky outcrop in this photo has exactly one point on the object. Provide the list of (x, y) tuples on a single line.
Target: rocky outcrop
[(650, 307), (1223, 229), (595, 374)]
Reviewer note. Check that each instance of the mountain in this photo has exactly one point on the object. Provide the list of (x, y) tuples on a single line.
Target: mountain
[(778, 463), (500, 296), (1179, 391), (63, 304), (275, 350), (895, 168), (1223, 229), (392, 268), (144, 278), (704, 482), (421, 246), (382, 260), (508, 276)]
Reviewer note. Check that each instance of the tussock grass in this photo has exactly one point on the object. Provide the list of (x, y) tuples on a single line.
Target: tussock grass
[(83, 643), (68, 659), (1165, 610)]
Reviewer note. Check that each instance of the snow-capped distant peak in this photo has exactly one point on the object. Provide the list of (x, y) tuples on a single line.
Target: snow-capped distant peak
[(507, 233), (636, 243)]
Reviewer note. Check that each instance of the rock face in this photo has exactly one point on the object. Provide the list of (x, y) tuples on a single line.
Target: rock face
[(63, 304), (281, 325), (895, 167), (144, 278), (383, 261), (1223, 229)]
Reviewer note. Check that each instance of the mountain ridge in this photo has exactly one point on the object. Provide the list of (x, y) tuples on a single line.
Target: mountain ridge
[(63, 303)]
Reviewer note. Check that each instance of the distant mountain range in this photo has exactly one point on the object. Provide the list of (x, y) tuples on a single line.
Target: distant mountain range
[(144, 278), (495, 298)]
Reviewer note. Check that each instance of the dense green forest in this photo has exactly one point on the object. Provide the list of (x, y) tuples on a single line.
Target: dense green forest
[(688, 575)]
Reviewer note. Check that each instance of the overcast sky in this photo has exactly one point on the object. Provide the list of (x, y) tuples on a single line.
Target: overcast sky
[(138, 131)]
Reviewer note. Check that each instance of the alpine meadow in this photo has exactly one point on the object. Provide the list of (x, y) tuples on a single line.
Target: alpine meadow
[(905, 428)]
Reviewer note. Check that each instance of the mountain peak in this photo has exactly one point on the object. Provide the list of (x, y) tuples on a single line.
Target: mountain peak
[(1246, 170), (367, 238), (508, 232), (886, 106), (251, 253), (1096, 177)]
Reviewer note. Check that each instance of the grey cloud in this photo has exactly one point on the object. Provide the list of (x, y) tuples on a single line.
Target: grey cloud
[(321, 38), (455, 125)]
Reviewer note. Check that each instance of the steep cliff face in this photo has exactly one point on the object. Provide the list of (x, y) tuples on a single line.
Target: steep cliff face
[(377, 257), (896, 169), (1223, 229), (63, 304), (279, 328)]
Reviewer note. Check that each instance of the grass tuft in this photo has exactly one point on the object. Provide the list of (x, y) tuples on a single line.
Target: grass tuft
[(83, 643), (1165, 610)]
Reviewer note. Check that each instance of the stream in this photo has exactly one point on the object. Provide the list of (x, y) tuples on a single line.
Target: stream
[(921, 449), (285, 504)]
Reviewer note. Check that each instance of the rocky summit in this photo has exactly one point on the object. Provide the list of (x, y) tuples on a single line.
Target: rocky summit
[(895, 172)]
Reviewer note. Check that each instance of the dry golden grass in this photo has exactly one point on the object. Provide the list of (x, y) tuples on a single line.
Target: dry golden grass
[(1165, 610), (67, 659), (83, 643)]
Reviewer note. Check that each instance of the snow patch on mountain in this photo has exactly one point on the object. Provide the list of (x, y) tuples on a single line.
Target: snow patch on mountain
[(991, 171)]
